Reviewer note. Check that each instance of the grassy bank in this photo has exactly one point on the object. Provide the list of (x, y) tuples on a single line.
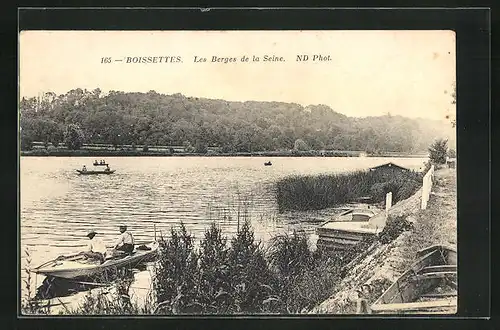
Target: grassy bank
[(408, 230), (313, 192)]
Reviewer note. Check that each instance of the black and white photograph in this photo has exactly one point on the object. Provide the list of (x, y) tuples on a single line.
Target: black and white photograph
[(231, 172)]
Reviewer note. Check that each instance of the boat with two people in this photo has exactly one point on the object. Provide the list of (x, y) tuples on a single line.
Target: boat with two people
[(102, 162), (268, 163), (83, 265), (96, 266), (77, 266), (107, 170)]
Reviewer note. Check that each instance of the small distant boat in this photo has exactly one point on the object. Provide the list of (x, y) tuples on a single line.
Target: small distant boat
[(268, 163), (95, 172), (428, 287), (76, 266), (100, 164)]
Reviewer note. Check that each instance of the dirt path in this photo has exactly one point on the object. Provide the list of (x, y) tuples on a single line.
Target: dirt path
[(381, 267)]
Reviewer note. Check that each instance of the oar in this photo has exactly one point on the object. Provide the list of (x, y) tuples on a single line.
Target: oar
[(70, 257)]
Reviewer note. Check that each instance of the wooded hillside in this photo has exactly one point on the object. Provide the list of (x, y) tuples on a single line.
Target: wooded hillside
[(157, 119)]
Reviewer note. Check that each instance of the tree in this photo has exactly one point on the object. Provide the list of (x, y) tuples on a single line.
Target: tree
[(48, 131), (438, 151), (188, 147), (201, 147), (57, 135), (452, 153), (300, 145), (73, 137), (26, 139)]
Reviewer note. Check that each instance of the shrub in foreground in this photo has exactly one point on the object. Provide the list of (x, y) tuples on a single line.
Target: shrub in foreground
[(240, 277)]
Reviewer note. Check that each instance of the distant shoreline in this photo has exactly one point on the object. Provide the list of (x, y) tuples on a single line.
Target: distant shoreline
[(140, 153)]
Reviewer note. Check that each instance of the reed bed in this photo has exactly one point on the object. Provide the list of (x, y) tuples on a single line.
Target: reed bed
[(314, 192)]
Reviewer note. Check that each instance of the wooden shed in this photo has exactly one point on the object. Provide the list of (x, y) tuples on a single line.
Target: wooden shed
[(389, 168)]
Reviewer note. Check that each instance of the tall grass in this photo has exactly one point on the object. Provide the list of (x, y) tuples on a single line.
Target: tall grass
[(240, 276), (314, 192), (29, 303)]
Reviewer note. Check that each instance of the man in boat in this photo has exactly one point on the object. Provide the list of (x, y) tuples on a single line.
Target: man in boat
[(107, 169), (125, 242), (95, 249), (84, 169)]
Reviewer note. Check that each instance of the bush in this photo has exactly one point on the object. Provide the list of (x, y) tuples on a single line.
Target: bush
[(176, 274), (438, 151), (73, 137), (394, 227), (145, 148), (252, 280), (240, 278), (26, 142), (214, 282)]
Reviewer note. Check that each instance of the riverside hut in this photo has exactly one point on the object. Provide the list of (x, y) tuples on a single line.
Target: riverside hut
[(389, 168)]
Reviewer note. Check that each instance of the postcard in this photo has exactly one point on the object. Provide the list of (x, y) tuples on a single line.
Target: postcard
[(238, 172)]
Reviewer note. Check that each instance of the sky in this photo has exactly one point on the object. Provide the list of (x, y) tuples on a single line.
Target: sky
[(364, 73)]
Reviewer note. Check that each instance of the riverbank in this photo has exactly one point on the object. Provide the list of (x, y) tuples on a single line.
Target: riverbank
[(384, 263), (154, 153)]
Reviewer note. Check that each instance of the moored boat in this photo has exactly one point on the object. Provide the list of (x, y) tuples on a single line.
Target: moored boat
[(77, 266), (428, 287), (347, 229)]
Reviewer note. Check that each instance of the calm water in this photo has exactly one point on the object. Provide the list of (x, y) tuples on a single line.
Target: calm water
[(59, 207)]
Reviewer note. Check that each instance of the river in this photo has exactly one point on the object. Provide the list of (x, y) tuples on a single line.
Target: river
[(58, 206)]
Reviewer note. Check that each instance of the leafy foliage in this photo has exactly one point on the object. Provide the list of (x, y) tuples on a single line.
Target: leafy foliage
[(452, 153), (394, 227), (155, 119), (241, 277), (300, 145), (73, 137), (177, 273), (438, 151)]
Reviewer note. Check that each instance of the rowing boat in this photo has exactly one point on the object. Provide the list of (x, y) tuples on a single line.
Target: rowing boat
[(428, 287), (77, 266), (347, 229), (95, 172)]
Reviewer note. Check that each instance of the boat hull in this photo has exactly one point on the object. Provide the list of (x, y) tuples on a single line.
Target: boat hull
[(413, 291), (95, 172), (76, 268)]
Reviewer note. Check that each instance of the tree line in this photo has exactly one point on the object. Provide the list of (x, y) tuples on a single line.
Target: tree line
[(82, 116)]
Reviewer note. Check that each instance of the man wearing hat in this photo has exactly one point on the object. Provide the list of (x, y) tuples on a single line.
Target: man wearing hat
[(125, 242), (95, 248)]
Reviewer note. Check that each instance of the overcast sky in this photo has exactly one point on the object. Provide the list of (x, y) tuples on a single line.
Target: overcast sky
[(370, 73)]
